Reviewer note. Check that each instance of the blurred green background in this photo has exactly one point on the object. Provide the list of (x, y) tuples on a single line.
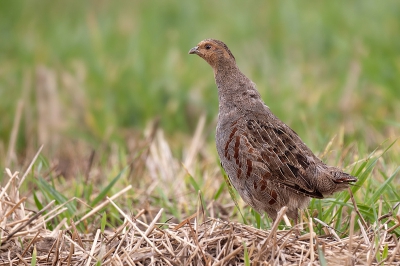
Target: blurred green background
[(97, 70)]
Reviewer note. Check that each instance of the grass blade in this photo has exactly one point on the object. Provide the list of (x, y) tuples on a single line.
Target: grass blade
[(54, 194), (104, 192), (232, 192), (382, 188)]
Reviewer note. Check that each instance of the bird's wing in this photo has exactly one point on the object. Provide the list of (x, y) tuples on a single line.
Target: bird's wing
[(290, 163)]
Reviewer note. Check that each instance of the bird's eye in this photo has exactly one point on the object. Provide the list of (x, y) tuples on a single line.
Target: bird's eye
[(208, 47)]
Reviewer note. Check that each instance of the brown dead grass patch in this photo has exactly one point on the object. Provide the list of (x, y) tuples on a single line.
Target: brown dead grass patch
[(24, 238)]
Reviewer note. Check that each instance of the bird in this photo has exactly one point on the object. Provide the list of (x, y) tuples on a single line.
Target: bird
[(265, 160)]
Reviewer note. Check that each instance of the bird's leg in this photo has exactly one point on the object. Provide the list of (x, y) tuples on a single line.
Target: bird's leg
[(296, 225)]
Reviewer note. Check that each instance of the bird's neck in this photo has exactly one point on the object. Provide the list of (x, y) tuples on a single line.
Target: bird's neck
[(231, 83), (236, 93)]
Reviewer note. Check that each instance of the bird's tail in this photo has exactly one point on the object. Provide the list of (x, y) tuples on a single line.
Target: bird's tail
[(332, 180), (342, 180), (341, 177)]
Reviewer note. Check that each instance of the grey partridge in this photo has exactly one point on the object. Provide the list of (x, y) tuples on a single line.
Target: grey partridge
[(266, 161)]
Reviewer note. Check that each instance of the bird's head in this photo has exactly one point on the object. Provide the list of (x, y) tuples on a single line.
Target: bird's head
[(214, 52)]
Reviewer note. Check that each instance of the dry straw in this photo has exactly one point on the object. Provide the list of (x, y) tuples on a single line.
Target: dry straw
[(24, 237)]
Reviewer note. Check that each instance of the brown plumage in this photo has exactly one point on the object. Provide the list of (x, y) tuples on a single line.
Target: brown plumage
[(266, 161)]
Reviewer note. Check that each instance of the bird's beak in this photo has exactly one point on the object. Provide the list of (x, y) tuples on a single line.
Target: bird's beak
[(194, 50)]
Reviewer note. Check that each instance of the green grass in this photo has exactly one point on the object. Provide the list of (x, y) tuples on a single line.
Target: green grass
[(130, 62), (327, 69)]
